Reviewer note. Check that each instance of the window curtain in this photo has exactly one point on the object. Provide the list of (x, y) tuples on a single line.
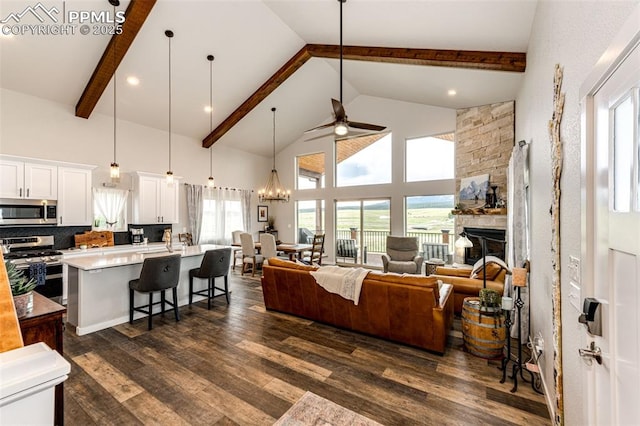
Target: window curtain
[(518, 227), (245, 195), (223, 213), (195, 207), (110, 203)]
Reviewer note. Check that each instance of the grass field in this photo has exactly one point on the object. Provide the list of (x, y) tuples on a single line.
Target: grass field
[(425, 219)]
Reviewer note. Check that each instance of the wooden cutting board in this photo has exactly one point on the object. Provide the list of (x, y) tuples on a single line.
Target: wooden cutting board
[(95, 239)]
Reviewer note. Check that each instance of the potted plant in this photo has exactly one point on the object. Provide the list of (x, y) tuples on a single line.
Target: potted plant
[(21, 289), (271, 222)]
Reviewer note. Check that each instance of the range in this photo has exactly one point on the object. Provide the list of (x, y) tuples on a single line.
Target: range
[(26, 251)]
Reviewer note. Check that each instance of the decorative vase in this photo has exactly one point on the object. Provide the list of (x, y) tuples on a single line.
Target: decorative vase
[(23, 304)]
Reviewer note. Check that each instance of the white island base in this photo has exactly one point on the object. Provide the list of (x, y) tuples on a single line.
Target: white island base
[(99, 286)]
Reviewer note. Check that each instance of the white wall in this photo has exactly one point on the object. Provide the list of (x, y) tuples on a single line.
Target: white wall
[(405, 120), (38, 128), (573, 34)]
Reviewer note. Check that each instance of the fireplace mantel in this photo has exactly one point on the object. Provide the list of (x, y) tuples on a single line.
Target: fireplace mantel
[(479, 211)]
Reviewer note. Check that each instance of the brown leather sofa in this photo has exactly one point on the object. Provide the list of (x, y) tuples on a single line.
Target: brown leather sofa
[(406, 309), (465, 286)]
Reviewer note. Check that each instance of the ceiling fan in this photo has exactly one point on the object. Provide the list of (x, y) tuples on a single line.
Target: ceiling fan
[(341, 124)]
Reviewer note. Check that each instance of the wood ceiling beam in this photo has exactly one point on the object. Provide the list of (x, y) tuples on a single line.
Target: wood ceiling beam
[(470, 59), (135, 16)]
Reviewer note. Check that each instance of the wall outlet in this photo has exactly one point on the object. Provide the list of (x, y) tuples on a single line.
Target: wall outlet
[(538, 343)]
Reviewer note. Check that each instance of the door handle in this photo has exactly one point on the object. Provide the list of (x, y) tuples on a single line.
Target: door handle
[(593, 352)]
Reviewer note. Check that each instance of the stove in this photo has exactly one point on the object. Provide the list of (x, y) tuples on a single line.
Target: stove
[(25, 251)]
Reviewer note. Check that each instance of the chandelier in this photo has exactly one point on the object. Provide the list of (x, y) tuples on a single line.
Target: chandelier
[(273, 190)]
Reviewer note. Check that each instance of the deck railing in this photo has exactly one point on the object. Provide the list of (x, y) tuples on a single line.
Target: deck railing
[(376, 241)]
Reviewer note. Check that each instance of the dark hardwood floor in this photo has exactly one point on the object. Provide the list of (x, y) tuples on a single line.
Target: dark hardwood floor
[(239, 364)]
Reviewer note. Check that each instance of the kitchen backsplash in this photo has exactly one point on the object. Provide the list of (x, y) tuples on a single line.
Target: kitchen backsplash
[(63, 236)]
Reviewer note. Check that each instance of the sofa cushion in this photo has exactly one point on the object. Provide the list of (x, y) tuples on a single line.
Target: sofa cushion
[(274, 261)]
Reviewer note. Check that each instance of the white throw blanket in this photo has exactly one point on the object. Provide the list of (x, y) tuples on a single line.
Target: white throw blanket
[(346, 282)]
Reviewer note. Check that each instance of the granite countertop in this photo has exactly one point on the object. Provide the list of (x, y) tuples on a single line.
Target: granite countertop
[(99, 260)]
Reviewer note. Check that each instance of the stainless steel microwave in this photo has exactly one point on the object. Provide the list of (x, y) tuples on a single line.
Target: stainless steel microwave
[(16, 212)]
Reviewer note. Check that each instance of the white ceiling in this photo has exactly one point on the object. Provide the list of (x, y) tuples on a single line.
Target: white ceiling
[(250, 40)]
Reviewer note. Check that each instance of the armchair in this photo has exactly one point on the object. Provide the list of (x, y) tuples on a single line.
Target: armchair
[(402, 255)]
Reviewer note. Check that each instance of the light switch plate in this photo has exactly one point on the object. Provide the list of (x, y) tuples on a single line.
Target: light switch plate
[(574, 295), (574, 267)]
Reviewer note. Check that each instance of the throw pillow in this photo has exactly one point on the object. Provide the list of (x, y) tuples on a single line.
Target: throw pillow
[(493, 268)]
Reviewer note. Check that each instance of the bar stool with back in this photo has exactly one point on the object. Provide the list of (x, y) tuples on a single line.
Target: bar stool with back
[(158, 274), (215, 263)]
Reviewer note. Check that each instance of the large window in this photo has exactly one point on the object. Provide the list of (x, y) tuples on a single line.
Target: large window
[(310, 219), (368, 222), (222, 214), (365, 160), (429, 218), (311, 171), (430, 158)]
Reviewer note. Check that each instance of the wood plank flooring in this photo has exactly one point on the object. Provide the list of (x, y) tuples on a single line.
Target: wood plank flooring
[(240, 364)]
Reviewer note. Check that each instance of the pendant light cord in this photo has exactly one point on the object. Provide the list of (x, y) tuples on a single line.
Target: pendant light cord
[(274, 137), (170, 36), (210, 58), (341, 1), (115, 85)]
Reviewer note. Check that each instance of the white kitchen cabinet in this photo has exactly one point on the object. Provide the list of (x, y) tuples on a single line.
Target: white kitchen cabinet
[(154, 200), (75, 207), (21, 179)]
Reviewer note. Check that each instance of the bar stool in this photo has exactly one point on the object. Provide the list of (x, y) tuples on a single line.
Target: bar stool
[(215, 263), (158, 274)]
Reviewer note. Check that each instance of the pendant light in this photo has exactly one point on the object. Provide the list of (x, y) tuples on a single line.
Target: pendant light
[(169, 35), (273, 190), (114, 169), (211, 181)]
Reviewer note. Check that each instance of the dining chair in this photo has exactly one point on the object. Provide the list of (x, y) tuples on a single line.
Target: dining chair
[(158, 274), (317, 246), (237, 252), (268, 247), (250, 259), (215, 263)]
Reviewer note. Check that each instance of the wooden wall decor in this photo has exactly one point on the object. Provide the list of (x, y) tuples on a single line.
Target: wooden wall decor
[(556, 173)]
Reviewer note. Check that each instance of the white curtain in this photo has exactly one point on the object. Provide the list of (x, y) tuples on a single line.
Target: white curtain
[(110, 203), (223, 213), (195, 209), (245, 195), (518, 227)]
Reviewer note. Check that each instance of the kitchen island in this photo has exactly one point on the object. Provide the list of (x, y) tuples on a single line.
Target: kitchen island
[(98, 293)]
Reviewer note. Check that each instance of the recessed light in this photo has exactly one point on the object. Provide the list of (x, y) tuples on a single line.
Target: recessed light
[(207, 109), (452, 92), (133, 80)]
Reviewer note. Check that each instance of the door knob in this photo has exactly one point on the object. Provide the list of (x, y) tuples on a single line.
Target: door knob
[(593, 352)]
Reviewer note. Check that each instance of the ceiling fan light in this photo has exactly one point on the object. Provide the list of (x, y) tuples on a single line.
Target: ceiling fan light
[(341, 129)]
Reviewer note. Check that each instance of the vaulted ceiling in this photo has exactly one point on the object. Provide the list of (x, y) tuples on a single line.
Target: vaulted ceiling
[(251, 40)]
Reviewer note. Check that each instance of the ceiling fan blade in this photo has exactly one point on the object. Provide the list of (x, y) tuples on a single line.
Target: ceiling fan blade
[(321, 136), (324, 126), (338, 110), (366, 126), (356, 134)]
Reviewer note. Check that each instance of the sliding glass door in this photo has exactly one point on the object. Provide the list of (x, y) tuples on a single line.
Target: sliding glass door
[(367, 222)]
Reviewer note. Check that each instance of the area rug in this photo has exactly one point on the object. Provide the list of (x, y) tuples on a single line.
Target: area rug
[(312, 409)]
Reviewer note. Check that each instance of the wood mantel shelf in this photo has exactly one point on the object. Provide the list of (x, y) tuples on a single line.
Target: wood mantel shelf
[(479, 211)]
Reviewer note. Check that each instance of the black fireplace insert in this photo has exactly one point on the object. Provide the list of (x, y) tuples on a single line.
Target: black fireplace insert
[(496, 244)]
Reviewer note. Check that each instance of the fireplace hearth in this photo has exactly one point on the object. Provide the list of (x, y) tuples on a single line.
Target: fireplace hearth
[(494, 248)]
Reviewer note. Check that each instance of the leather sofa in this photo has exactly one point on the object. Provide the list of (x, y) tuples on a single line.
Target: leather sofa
[(464, 286), (406, 309)]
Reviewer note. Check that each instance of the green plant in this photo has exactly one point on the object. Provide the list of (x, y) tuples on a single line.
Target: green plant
[(18, 282), (271, 221)]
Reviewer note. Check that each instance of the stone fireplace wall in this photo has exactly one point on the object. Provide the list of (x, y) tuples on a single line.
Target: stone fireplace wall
[(485, 136)]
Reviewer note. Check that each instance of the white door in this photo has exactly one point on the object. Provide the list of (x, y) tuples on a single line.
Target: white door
[(613, 391)]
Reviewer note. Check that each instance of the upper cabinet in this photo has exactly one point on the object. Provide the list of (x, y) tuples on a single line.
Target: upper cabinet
[(20, 179), (75, 207), (155, 201)]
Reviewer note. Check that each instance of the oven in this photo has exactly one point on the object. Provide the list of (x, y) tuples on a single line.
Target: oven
[(28, 212), (26, 251)]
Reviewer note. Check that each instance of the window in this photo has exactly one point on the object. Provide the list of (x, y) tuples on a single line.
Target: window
[(429, 219), (368, 222), (430, 158), (222, 214), (310, 219), (311, 171), (364, 160), (109, 209)]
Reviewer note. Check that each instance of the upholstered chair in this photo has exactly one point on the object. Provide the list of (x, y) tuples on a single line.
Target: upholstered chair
[(158, 274), (215, 263), (250, 259), (402, 255), (237, 252), (267, 247)]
